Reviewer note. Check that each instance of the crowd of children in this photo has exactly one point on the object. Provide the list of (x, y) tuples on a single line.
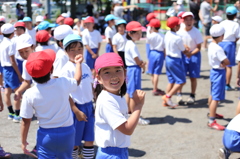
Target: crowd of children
[(50, 58)]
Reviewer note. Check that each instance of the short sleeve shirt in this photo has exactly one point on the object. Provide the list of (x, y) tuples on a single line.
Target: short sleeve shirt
[(92, 39), (120, 41), (205, 9), (109, 33), (131, 51), (215, 55)]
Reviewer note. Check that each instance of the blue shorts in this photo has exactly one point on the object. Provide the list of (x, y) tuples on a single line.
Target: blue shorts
[(229, 48), (112, 153), (20, 65), (192, 65), (84, 130), (175, 70), (218, 82), (156, 60), (55, 142), (147, 50), (89, 60), (10, 78), (207, 29), (133, 79), (109, 48), (1, 68), (231, 140)]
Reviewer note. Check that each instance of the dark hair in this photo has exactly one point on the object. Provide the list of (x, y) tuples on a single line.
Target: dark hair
[(231, 17), (42, 79), (7, 35), (99, 89), (43, 43), (22, 28), (1, 23), (157, 28), (58, 42), (131, 32), (216, 37), (121, 24), (74, 44)]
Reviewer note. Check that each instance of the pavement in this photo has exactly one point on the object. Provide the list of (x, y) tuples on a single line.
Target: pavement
[(180, 133)]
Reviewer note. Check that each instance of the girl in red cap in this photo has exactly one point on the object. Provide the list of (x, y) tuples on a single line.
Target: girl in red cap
[(112, 125)]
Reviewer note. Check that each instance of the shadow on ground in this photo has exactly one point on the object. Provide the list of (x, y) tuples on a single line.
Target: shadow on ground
[(167, 120), (136, 153)]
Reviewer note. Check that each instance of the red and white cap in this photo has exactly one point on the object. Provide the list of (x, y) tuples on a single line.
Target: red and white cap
[(187, 14), (173, 21), (150, 16), (108, 60), (134, 26), (154, 23), (2, 19), (180, 14), (40, 63), (20, 24), (7, 28), (89, 20), (42, 36)]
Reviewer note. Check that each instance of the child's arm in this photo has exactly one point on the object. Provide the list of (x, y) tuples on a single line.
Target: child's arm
[(140, 63), (195, 51), (24, 132), (115, 49), (225, 62), (99, 46), (78, 72), (1, 104), (91, 52), (79, 114), (25, 85), (128, 127), (238, 74), (15, 67), (110, 41)]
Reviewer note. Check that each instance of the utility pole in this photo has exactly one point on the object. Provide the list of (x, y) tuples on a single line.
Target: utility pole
[(29, 8), (48, 8), (73, 9)]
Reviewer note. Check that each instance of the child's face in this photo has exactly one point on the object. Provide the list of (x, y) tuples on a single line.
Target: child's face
[(89, 25), (112, 78), (214, 22), (25, 52), (136, 36), (189, 21), (19, 31), (74, 51), (28, 25), (121, 28)]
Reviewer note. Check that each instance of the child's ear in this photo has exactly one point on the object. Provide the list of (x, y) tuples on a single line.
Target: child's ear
[(99, 79)]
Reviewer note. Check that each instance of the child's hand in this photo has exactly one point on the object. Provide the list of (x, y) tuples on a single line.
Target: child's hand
[(24, 147), (94, 56), (17, 96), (238, 82), (78, 58), (1, 106), (139, 98), (80, 116), (20, 78), (143, 66)]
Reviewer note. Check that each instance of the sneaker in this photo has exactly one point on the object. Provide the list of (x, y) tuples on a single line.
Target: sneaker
[(228, 88), (224, 153), (158, 92), (143, 121), (75, 154), (4, 154), (180, 100), (216, 126), (10, 116), (33, 153), (17, 119), (218, 116), (168, 102), (191, 100)]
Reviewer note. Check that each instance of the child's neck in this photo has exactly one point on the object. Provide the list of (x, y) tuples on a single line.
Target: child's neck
[(188, 28), (122, 33), (216, 41), (91, 29)]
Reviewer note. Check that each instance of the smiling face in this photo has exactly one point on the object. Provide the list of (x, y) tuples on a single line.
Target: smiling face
[(121, 28), (73, 50), (25, 52), (112, 78)]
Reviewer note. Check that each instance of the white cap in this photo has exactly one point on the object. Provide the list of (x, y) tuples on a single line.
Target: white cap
[(217, 19), (7, 28), (186, 14), (117, 1), (65, 15), (2, 19), (24, 40), (217, 30), (179, 1), (39, 18), (62, 31)]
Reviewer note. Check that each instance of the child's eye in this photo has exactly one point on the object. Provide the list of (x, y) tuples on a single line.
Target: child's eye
[(119, 70), (106, 72)]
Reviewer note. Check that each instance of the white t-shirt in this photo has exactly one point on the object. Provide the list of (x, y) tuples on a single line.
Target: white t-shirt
[(60, 60), (234, 124), (15, 41), (92, 39), (215, 56), (1, 38), (120, 41), (25, 74), (173, 44), (8, 48), (50, 102), (231, 30), (131, 52), (156, 41), (32, 33), (44, 47), (148, 33), (110, 32), (111, 112), (84, 93), (191, 38)]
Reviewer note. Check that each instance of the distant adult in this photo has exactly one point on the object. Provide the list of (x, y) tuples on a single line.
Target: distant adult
[(19, 12), (205, 16), (195, 8), (178, 6), (237, 5), (89, 8), (117, 9)]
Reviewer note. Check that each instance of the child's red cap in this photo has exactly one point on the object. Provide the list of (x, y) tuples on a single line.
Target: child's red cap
[(59, 19), (89, 20), (108, 60), (40, 63), (154, 23), (150, 16), (134, 26), (180, 14), (42, 36), (19, 24), (68, 21), (172, 22)]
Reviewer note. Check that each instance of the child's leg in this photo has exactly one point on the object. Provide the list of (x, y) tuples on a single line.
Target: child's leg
[(155, 82), (169, 87), (228, 75), (212, 109), (7, 100), (238, 108), (193, 85), (88, 150), (174, 89)]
